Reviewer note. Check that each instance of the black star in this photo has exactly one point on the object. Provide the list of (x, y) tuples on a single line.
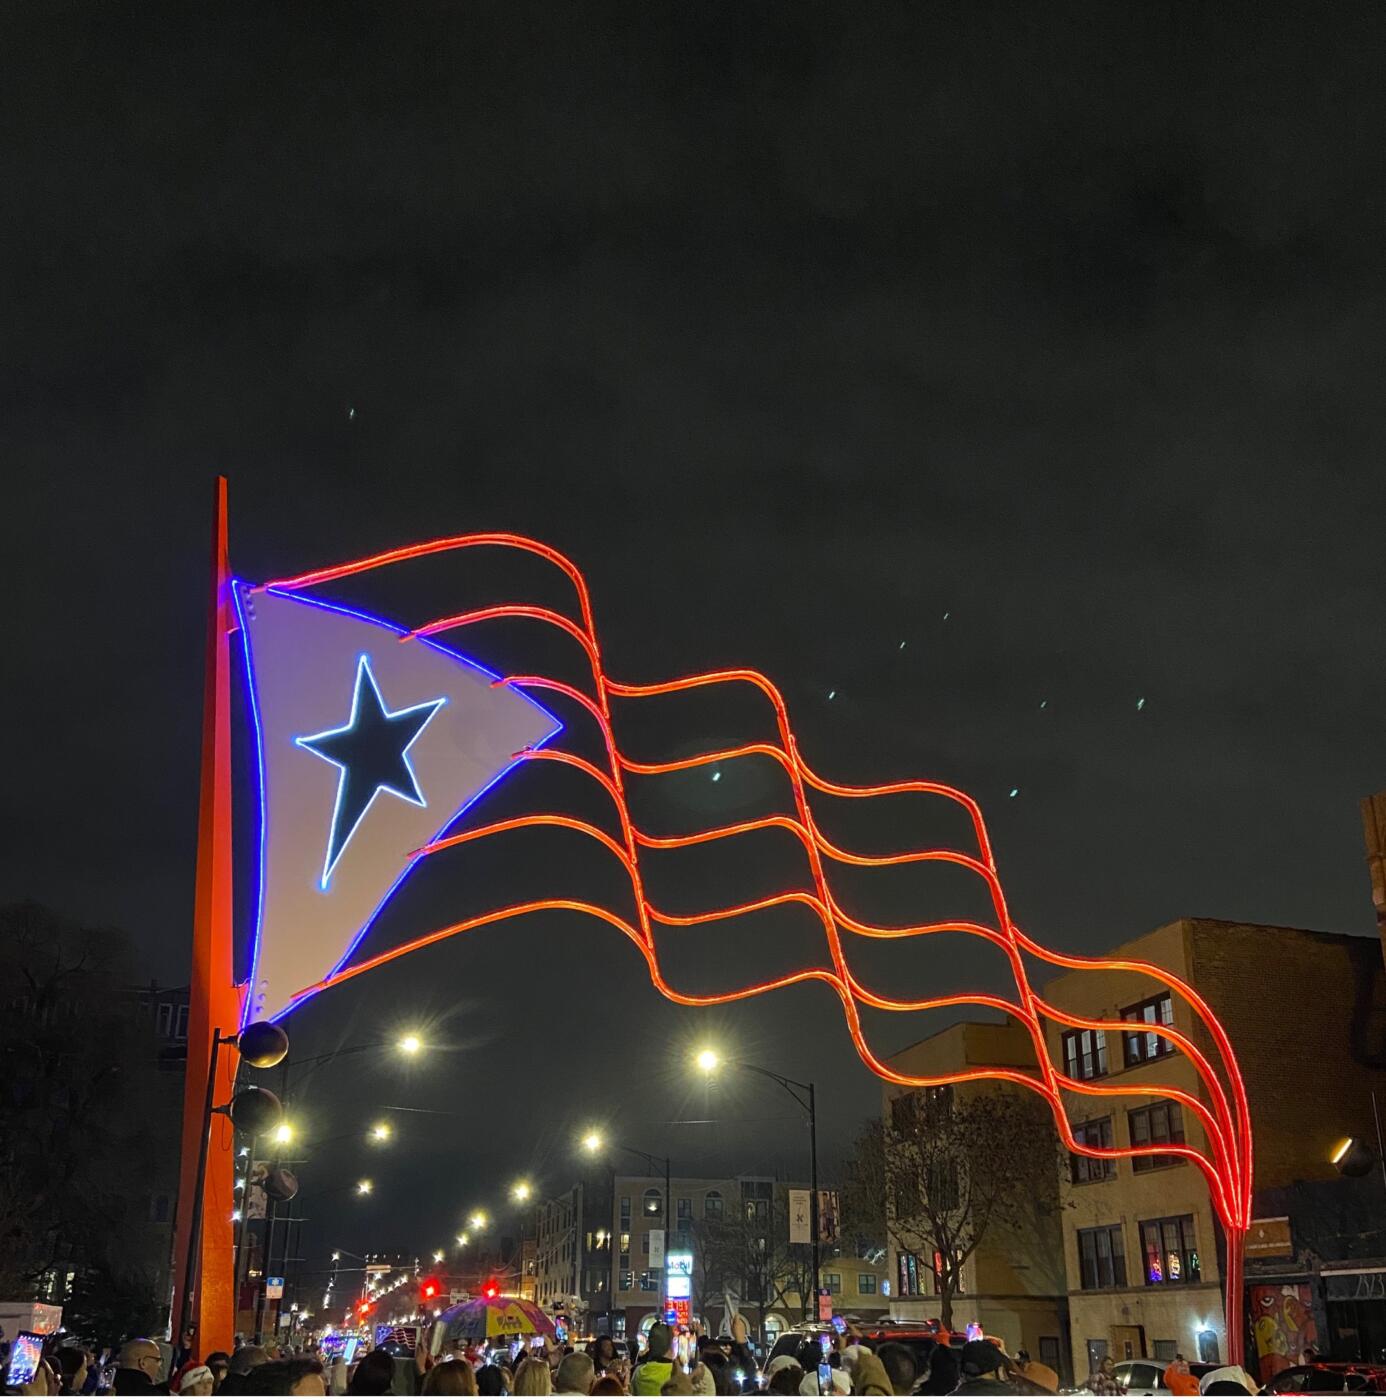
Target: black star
[(371, 752)]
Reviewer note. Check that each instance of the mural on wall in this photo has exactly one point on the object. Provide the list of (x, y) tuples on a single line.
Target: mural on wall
[(1282, 1321)]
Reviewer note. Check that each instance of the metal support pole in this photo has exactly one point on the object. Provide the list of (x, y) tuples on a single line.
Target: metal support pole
[(200, 1183), (813, 1154)]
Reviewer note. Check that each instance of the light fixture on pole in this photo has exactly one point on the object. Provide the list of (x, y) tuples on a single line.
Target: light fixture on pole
[(709, 1061), (262, 1045)]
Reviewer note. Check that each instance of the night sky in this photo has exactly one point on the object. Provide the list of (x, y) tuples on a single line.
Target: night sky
[(1044, 340)]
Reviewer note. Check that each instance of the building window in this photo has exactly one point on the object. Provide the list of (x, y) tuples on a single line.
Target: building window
[(712, 1206), (833, 1283), (866, 1283), (625, 1212), (908, 1265), (1165, 1351), (653, 1201), (684, 1212), (1085, 1054), (180, 1024), (158, 1209), (1101, 1258), (756, 1200), (1096, 1133), (1146, 1045), (1170, 1250), (1156, 1122)]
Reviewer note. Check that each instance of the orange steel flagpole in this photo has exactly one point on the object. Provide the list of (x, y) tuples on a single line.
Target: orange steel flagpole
[(213, 1001)]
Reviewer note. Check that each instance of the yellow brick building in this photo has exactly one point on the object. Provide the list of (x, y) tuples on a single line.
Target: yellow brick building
[(1140, 1244), (1014, 1284)]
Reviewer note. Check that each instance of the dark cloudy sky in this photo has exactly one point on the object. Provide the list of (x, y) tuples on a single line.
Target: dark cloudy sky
[(1046, 340)]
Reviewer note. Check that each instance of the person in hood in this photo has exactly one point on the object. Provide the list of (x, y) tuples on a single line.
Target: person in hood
[(942, 1378), (1178, 1379)]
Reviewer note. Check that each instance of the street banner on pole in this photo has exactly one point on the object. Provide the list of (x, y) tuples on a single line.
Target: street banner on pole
[(829, 1217), (656, 1249), (800, 1220)]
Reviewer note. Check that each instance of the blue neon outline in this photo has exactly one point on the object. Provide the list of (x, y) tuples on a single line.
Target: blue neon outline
[(236, 585), (417, 799)]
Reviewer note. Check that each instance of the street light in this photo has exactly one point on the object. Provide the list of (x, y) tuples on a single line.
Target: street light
[(284, 1133), (365, 1186), (438, 1256), (477, 1220), (410, 1044), (382, 1132), (462, 1240), (708, 1060), (521, 1191), (593, 1142)]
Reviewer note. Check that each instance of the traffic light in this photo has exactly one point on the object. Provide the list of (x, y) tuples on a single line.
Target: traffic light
[(491, 1289), (430, 1288), (363, 1307)]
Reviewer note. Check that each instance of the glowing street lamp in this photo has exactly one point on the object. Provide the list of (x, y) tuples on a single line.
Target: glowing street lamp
[(462, 1240), (438, 1256), (521, 1191), (709, 1061), (477, 1220), (365, 1186), (382, 1132), (592, 1141), (284, 1133), (410, 1044)]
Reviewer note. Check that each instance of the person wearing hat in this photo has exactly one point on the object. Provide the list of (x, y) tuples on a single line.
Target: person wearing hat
[(1228, 1380), (984, 1370), (196, 1380)]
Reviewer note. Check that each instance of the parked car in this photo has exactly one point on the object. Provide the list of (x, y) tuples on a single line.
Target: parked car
[(1329, 1378), (1145, 1376)]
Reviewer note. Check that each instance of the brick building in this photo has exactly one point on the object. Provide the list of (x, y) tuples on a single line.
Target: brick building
[(598, 1262), (1306, 1015), (1014, 1284)]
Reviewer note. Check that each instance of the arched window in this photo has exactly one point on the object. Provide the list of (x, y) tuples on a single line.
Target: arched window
[(654, 1201), (712, 1206)]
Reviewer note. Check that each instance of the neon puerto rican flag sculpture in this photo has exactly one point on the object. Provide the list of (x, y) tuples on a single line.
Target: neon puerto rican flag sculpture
[(367, 765)]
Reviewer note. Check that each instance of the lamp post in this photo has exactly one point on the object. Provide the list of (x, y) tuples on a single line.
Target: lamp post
[(709, 1061), (592, 1143), (262, 1045)]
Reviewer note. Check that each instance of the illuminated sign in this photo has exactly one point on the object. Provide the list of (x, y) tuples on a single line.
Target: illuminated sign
[(356, 827)]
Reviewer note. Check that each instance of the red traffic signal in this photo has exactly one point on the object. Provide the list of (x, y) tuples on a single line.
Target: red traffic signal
[(491, 1289), (430, 1288), (363, 1308)]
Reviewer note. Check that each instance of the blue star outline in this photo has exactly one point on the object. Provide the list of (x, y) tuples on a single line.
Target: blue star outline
[(362, 774)]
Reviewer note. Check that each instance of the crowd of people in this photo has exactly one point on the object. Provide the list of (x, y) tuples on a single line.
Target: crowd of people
[(668, 1365)]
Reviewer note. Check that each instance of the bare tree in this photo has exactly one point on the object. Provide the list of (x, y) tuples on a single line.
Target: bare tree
[(947, 1170), (80, 1090)]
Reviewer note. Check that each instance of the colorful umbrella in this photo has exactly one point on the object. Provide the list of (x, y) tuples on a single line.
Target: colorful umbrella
[(494, 1317)]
